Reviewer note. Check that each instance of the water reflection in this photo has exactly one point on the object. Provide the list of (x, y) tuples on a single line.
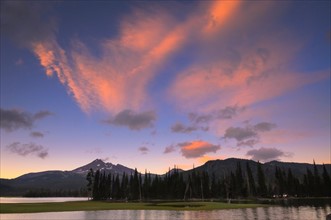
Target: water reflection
[(40, 200), (272, 213)]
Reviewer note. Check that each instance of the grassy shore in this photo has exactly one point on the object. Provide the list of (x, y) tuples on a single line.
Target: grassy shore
[(96, 205)]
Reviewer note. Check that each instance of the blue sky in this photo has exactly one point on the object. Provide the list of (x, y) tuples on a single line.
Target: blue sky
[(155, 84)]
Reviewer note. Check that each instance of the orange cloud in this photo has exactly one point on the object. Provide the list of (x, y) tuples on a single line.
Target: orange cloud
[(219, 13), (197, 148)]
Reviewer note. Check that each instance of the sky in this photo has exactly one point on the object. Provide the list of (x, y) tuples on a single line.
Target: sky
[(154, 84)]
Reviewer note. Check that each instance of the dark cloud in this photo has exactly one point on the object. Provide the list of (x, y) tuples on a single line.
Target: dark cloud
[(197, 149), (225, 113), (26, 22), (248, 135), (169, 149), (143, 150), (267, 154), (180, 128), (134, 121), (264, 126), (28, 149), (198, 119), (250, 143), (14, 119), (239, 133), (37, 134), (42, 114), (229, 112)]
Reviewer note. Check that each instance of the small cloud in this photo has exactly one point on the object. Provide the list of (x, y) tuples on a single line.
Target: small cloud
[(228, 112), (13, 119), (27, 149), (248, 135), (198, 119), (180, 128), (267, 154), (250, 143), (143, 150), (134, 121), (239, 133), (42, 114), (105, 159), (36, 134), (169, 149), (197, 149), (264, 126)]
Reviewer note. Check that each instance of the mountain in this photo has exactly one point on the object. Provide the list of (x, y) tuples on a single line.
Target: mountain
[(104, 167), (57, 180), (223, 168), (76, 179)]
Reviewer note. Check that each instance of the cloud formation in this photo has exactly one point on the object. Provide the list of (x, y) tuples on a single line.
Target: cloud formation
[(28, 149), (248, 135), (26, 22), (193, 149), (37, 134), (169, 149), (197, 149), (143, 150), (134, 121), (13, 119), (267, 154), (180, 128), (228, 112)]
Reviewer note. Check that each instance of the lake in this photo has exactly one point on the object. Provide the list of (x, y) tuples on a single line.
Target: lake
[(40, 199), (293, 209)]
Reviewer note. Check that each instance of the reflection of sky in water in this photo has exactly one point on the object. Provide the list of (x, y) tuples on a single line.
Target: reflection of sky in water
[(272, 213), (37, 200)]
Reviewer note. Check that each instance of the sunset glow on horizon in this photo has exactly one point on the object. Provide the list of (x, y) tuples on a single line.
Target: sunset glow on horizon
[(150, 85)]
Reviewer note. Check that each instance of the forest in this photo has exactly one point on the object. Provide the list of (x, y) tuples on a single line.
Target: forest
[(177, 185)]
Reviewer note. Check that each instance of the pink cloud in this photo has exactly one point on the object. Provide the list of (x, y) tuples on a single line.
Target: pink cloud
[(196, 149)]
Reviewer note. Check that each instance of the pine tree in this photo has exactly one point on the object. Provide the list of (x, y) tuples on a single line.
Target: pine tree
[(326, 182), (90, 178), (251, 181), (96, 192), (262, 187)]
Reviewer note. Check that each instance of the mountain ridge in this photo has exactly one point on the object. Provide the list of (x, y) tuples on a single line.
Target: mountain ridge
[(76, 179)]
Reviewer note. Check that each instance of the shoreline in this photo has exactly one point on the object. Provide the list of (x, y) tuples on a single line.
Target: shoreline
[(8, 208)]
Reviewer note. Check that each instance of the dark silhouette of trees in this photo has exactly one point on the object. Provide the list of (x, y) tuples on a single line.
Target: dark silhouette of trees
[(200, 185), (262, 187)]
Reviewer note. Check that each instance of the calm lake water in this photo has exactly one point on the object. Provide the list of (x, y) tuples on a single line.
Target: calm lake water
[(281, 212), (41, 199)]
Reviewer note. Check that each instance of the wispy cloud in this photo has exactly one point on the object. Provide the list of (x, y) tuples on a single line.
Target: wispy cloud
[(37, 134), (143, 150), (180, 128), (169, 149), (13, 119), (28, 149), (267, 154), (134, 121)]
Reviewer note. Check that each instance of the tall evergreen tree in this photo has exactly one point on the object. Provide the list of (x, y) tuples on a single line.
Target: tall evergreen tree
[(326, 182), (251, 181), (262, 187), (90, 179)]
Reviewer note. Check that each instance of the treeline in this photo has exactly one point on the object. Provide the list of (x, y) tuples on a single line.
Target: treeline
[(56, 193), (200, 185)]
